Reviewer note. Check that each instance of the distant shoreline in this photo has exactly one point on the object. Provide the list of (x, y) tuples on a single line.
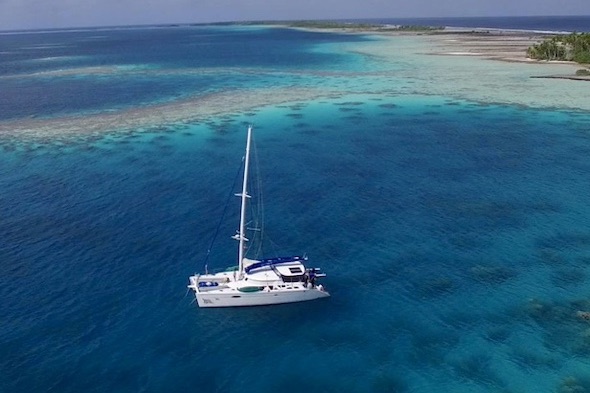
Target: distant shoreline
[(435, 63), (509, 45)]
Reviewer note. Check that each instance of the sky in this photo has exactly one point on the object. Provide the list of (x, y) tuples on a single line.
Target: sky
[(41, 14)]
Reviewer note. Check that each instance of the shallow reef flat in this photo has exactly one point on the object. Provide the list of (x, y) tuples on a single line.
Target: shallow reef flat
[(197, 109), (454, 65), (485, 69)]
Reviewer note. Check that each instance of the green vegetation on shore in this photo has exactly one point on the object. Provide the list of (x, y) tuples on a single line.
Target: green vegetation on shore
[(343, 25), (573, 47), (414, 28), (332, 25), (360, 26)]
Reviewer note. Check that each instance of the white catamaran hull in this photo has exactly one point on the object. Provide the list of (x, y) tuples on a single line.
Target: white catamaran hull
[(257, 282), (261, 298)]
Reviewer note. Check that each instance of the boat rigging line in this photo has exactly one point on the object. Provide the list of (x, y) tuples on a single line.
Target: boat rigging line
[(231, 193)]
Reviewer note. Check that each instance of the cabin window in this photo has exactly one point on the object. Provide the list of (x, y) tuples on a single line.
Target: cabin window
[(299, 278), (295, 270)]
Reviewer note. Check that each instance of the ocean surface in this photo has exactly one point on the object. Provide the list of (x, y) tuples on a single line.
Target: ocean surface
[(455, 234)]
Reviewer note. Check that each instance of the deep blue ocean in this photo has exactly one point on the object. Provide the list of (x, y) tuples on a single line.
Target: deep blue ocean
[(455, 234)]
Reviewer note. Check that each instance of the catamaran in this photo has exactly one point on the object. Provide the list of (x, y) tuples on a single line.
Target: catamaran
[(257, 282)]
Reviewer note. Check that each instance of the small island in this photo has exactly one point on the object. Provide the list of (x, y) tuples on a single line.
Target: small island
[(572, 47), (492, 43), (360, 27)]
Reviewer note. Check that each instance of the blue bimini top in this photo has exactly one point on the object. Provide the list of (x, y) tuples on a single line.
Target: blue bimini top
[(274, 261)]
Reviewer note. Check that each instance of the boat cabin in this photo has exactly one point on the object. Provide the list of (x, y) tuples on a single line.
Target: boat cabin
[(292, 272)]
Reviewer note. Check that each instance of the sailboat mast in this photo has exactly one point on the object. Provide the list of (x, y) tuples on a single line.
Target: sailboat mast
[(244, 195)]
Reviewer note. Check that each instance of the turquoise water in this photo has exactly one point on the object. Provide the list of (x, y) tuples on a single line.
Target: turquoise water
[(454, 235)]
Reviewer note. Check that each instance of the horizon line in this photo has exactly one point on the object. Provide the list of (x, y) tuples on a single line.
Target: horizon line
[(267, 21)]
